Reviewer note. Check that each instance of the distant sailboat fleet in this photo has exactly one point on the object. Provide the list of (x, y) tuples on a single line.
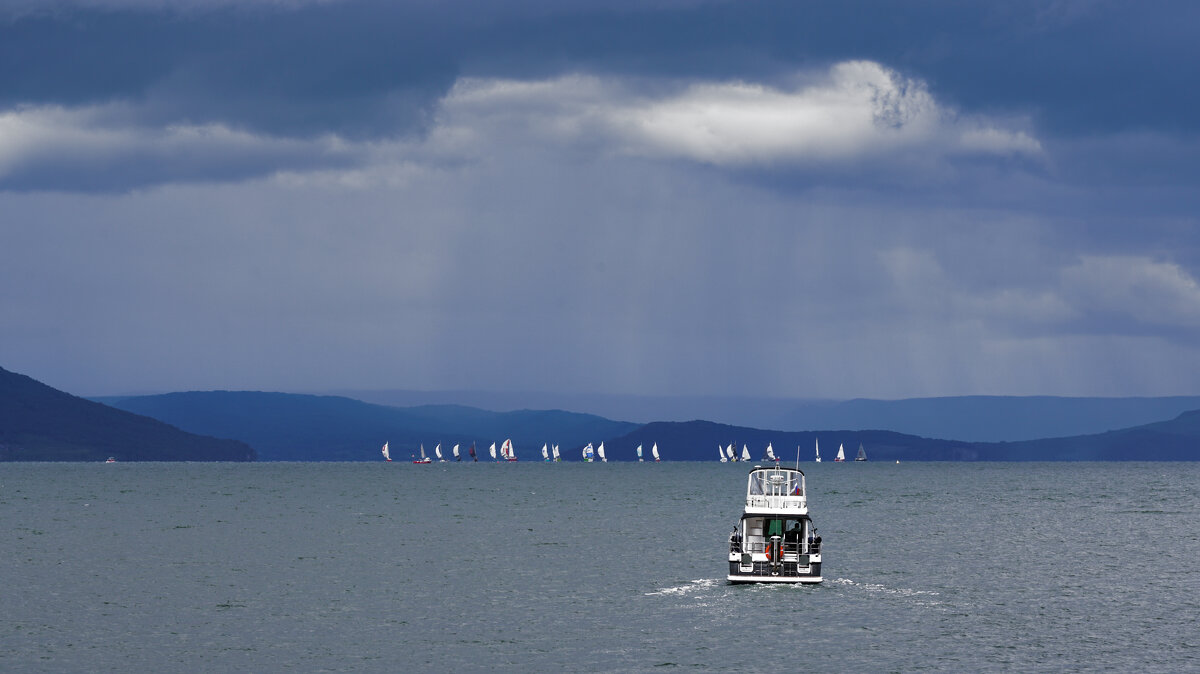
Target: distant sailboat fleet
[(597, 453), (506, 452), (729, 454)]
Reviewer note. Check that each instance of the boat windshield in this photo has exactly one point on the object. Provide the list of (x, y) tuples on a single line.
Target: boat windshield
[(776, 482)]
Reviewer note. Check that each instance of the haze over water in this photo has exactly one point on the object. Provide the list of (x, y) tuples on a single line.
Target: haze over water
[(532, 566)]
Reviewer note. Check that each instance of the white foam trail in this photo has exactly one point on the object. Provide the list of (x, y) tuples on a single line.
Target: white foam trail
[(896, 592), (685, 589)]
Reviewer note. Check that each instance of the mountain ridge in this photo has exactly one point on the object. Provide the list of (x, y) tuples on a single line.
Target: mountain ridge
[(41, 423)]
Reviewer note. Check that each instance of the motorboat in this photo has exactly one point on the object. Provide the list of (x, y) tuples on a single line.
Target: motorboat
[(775, 541)]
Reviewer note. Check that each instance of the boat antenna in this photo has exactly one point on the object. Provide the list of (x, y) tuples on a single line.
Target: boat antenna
[(797, 457)]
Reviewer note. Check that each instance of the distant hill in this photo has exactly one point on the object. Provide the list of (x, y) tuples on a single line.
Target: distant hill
[(968, 418), (40, 423), (990, 418), (293, 427), (1174, 440)]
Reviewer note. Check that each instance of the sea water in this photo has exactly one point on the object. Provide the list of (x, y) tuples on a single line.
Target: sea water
[(383, 567)]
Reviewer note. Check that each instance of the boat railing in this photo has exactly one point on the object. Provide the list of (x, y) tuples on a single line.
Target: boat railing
[(775, 501), (790, 547)]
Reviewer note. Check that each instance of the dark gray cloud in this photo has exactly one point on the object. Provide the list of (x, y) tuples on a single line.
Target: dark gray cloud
[(761, 198), (338, 66)]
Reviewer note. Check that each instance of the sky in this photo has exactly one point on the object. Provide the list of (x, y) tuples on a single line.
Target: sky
[(674, 197)]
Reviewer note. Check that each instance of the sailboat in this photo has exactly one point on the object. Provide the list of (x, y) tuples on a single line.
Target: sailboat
[(639, 453), (438, 450), (654, 452), (730, 453), (600, 453), (721, 453), (587, 453), (841, 455), (862, 453), (818, 441), (545, 452), (471, 451), (554, 451), (745, 453), (492, 450), (507, 450), (771, 453), (423, 459), (456, 456), (385, 452)]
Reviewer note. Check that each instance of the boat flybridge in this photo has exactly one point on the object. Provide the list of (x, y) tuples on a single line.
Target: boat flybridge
[(775, 541)]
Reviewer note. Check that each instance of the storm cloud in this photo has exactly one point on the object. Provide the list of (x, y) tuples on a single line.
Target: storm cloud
[(680, 197)]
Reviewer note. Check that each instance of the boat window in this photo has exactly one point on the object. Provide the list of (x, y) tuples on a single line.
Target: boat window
[(756, 484), (795, 486), (774, 528)]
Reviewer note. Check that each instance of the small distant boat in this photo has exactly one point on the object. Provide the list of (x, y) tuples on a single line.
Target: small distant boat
[(471, 451), (545, 452), (600, 453), (771, 453), (721, 453), (492, 449), (818, 441), (587, 453), (775, 541), (841, 455), (639, 453), (730, 453), (385, 454), (113, 459), (554, 451), (456, 456), (438, 450), (423, 459), (745, 453), (862, 453), (506, 450), (654, 453)]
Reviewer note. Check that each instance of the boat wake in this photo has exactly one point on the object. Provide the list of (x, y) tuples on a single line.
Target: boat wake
[(693, 586), (918, 595)]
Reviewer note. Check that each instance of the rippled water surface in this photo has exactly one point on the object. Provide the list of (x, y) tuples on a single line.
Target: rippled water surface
[(531, 566)]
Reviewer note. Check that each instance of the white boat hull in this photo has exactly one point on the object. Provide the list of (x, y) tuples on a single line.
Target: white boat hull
[(740, 579)]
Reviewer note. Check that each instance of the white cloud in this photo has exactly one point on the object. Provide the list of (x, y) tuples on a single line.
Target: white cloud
[(1133, 292), (857, 110), (73, 148), (857, 113)]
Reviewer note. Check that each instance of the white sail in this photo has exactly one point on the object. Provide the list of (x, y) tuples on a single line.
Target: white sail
[(862, 453), (745, 453), (507, 451), (841, 455), (654, 452), (385, 452), (818, 441), (438, 451), (721, 453), (545, 452), (422, 451), (600, 453), (770, 453), (639, 452), (587, 452), (555, 452), (729, 452), (456, 451), (492, 449)]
